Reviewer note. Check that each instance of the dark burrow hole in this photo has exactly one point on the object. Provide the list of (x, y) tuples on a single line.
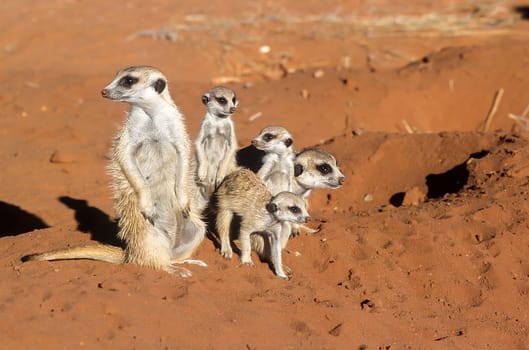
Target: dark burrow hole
[(451, 181), (397, 199), (523, 11)]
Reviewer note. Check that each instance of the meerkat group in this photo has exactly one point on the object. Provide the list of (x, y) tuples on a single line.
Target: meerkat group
[(160, 190)]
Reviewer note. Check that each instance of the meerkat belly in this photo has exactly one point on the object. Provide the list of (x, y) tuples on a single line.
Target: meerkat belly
[(279, 179), (216, 148), (157, 161)]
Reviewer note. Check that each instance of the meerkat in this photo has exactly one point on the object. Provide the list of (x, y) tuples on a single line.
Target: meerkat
[(243, 194), (277, 171), (216, 144), (314, 168), (151, 180)]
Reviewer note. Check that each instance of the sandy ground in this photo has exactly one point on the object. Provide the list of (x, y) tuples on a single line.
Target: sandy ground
[(425, 246)]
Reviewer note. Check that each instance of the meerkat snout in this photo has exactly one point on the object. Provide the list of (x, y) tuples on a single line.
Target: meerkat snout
[(104, 93)]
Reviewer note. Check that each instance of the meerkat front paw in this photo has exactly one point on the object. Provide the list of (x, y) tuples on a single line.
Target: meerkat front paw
[(185, 211), (148, 208), (202, 174), (183, 205), (294, 231)]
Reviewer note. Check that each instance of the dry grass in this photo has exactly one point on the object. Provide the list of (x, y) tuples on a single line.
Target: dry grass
[(234, 36), (250, 27)]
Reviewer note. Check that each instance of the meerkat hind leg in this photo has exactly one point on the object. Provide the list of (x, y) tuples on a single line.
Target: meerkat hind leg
[(224, 218), (276, 257), (246, 244)]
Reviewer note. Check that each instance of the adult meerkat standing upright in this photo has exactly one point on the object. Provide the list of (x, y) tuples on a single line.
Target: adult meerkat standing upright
[(216, 144), (242, 193), (277, 171), (151, 179)]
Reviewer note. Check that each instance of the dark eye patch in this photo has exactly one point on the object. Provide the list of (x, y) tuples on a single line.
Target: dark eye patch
[(294, 210), (221, 100), (298, 170), (268, 137), (127, 81), (234, 100), (324, 168)]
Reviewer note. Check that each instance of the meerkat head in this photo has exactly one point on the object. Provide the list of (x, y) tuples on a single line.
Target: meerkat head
[(220, 101), (137, 85), (315, 168), (274, 139), (287, 206)]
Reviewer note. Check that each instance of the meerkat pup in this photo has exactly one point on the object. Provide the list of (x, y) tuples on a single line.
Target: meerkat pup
[(314, 168), (151, 179), (277, 171), (243, 194), (216, 144)]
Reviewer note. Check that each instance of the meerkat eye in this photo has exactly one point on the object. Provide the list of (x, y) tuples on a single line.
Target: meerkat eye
[(221, 100), (294, 210), (288, 142), (128, 81), (234, 100), (324, 168), (268, 137)]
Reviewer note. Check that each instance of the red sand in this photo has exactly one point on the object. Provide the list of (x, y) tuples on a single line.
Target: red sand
[(425, 246)]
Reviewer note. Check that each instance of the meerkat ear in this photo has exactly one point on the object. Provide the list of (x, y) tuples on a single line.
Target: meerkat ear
[(159, 85), (205, 99), (288, 142), (298, 170), (271, 207)]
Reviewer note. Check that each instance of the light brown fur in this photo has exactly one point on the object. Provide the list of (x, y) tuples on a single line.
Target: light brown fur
[(264, 217)]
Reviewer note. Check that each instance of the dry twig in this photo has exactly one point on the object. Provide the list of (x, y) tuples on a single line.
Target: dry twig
[(493, 109)]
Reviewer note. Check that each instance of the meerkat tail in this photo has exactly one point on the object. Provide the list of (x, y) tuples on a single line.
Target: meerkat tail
[(99, 252)]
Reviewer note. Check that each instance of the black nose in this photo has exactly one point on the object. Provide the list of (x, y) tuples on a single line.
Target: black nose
[(341, 180), (232, 109), (104, 93), (307, 218)]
